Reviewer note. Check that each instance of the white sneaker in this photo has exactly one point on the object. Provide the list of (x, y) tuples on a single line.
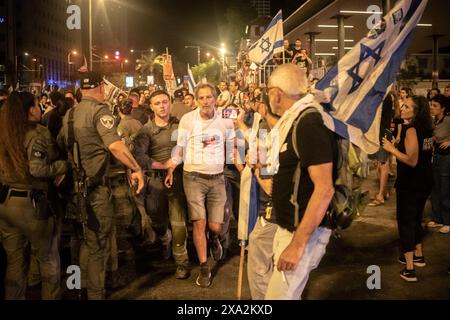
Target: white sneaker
[(444, 230), (433, 224)]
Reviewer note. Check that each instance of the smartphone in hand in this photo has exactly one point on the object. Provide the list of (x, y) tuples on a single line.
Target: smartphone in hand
[(388, 135), (230, 113)]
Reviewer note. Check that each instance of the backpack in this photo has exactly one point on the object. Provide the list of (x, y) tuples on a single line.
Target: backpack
[(348, 200)]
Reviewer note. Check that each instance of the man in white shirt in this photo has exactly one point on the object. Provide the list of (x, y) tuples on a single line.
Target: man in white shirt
[(205, 141), (224, 96), (237, 96)]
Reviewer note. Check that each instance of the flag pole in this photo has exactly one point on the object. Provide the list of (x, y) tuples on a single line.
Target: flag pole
[(241, 270)]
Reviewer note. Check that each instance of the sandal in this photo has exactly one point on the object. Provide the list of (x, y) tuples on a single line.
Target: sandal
[(376, 203)]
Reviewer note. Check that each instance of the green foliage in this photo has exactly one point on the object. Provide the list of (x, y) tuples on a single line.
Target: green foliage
[(210, 70), (151, 64)]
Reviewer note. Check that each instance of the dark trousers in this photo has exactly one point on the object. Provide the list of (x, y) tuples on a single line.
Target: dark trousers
[(440, 196), (232, 187), (410, 205), (169, 205)]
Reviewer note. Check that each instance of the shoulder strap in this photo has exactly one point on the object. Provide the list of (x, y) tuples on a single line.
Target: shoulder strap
[(70, 131), (308, 110), (298, 169), (72, 145)]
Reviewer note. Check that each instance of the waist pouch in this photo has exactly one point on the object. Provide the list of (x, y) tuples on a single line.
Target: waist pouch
[(41, 205), (3, 192)]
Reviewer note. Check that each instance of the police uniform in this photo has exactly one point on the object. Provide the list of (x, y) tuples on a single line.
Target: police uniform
[(154, 143), (25, 216), (94, 131)]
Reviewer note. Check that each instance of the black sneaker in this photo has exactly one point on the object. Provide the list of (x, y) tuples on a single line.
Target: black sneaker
[(408, 275), (418, 261), (216, 248), (182, 272), (204, 278)]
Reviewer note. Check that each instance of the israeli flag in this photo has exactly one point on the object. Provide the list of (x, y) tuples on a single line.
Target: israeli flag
[(270, 43), (353, 90), (190, 80)]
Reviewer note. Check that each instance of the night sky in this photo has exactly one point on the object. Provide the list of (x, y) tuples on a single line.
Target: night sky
[(173, 23)]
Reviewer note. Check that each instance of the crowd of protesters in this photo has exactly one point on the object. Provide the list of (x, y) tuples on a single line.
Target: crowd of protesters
[(194, 178)]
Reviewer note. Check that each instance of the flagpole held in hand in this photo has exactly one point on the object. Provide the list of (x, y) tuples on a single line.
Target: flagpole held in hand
[(241, 269)]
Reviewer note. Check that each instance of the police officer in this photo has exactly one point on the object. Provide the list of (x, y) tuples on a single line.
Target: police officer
[(27, 165), (89, 133), (124, 204), (153, 147)]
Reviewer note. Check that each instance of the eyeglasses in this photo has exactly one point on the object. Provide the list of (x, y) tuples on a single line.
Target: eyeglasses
[(270, 88)]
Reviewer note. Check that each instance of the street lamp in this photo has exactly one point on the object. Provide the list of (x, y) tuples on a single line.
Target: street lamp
[(222, 52), (90, 35), (69, 62), (198, 51)]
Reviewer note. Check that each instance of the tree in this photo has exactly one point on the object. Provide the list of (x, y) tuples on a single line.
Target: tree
[(151, 64), (209, 70)]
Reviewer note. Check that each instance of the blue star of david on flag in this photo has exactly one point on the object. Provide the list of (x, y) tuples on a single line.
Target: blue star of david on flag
[(265, 45), (271, 42), (365, 53)]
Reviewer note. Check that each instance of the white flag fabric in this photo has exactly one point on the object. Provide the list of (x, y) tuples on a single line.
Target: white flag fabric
[(270, 43), (191, 81), (353, 90), (112, 91), (84, 67)]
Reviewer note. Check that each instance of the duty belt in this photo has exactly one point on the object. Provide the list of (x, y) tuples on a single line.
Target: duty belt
[(204, 175), (156, 173), (19, 193)]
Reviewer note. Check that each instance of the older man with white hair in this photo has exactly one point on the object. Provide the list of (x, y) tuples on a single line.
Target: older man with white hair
[(303, 182)]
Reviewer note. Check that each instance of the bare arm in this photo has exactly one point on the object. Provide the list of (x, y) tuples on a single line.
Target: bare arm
[(266, 184), (121, 152), (322, 178), (411, 157)]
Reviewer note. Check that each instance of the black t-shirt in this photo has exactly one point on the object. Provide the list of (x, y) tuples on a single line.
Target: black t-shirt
[(419, 178), (386, 116), (316, 145)]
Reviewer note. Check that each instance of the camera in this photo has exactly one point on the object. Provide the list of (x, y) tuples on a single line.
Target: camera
[(230, 113)]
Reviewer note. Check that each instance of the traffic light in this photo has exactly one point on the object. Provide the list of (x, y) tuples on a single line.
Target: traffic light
[(117, 55)]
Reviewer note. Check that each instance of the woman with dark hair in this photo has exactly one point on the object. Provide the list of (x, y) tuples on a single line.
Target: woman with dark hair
[(440, 196), (414, 180), (27, 166)]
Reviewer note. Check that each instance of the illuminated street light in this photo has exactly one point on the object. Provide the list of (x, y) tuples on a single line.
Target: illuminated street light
[(106, 57), (132, 51), (69, 62), (151, 50), (26, 54)]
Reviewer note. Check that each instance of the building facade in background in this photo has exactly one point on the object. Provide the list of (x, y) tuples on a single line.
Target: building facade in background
[(262, 7), (36, 42)]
